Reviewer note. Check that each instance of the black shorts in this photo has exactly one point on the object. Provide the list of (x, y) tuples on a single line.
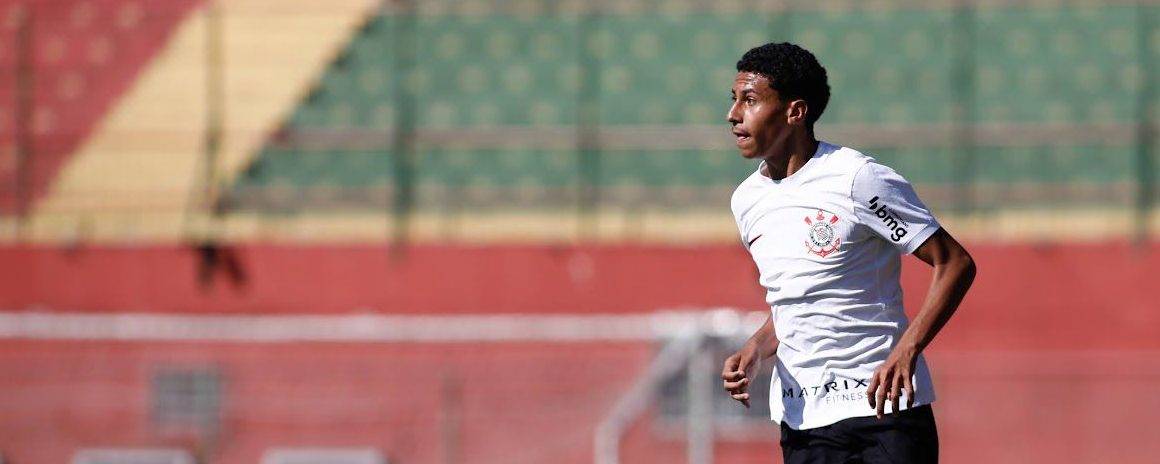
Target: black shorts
[(906, 437)]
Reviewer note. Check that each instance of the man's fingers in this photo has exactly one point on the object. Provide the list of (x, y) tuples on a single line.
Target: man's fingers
[(872, 390), (739, 385), (731, 364), (880, 401), (733, 376), (909, 393), (881, 390), (895, 392), (734, 380)]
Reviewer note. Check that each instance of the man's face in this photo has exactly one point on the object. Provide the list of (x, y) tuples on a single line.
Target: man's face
[(757, 115)]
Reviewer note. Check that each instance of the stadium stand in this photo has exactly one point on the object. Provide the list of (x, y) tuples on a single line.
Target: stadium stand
[(635, 72), (144, 174), (73, 59)]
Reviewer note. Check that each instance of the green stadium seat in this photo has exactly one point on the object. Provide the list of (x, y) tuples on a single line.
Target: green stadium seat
[(666, 66)]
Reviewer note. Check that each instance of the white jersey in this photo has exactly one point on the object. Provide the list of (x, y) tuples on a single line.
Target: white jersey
[(827, 241)]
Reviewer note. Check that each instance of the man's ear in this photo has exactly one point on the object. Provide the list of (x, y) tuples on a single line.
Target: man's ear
[(796, 111)]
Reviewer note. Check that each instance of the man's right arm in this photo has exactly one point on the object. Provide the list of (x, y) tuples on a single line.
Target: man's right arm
[(746, 362)]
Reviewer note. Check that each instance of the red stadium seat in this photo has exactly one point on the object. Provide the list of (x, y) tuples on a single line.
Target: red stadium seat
[(77, 57)]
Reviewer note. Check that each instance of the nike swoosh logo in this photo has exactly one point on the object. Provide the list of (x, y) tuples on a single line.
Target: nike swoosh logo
[(755, 239)]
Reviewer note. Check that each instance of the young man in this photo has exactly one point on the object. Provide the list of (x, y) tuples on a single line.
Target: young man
[(826, 226)]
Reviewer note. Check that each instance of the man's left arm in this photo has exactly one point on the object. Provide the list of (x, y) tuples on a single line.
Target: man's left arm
[(954, 271)]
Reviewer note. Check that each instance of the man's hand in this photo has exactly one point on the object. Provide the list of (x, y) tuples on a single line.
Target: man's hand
[(891, 378), (954, 270), (737, 371)]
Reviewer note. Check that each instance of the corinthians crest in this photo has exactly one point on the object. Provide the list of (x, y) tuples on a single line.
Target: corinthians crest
[(822, 240)]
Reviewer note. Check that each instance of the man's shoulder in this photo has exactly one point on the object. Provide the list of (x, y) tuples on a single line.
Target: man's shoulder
[(837, 168), (746, 193), (844, 160)]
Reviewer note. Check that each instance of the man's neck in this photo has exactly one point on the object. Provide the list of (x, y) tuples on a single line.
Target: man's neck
[(797, 152)]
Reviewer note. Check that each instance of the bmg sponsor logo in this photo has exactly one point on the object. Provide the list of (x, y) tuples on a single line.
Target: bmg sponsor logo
[(890, 219)]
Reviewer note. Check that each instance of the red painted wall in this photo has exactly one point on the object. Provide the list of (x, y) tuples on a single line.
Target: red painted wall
[(1050, 296), (1050, 359)]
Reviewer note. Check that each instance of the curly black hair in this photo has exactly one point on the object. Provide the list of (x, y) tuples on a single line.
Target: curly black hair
[(793, 72)]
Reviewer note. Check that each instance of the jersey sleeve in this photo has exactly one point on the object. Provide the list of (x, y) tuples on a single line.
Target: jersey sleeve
[(887, 204), (742, 224), (740, 205)]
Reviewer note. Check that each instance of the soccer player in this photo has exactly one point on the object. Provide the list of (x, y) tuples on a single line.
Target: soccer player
[(826, 226)]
